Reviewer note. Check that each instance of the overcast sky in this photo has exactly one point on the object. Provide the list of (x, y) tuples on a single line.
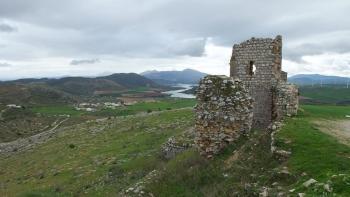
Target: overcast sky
[(51, 38)]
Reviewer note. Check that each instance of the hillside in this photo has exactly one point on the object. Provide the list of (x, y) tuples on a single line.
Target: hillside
[(123, 157), (327, 94), (131, 80), (187, 76), (76, 86), (33, 94), (84, 86), (316, 79)]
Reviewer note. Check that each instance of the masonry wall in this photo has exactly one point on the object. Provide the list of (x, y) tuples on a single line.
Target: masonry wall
[(257, 62), (224, 111), (287, 100)]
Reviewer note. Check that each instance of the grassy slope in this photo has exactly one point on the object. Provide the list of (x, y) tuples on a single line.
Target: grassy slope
[(319, 155), (103, 163), (313, 152), (25, 122), (18, 123), (85, 163)]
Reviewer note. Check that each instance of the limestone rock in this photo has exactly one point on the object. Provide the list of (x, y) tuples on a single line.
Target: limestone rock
[(309, 182)]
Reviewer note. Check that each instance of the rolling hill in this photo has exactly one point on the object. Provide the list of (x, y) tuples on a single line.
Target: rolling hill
[(68, 89), (187, 76), (33, 94), (131, 80), (74, 86)]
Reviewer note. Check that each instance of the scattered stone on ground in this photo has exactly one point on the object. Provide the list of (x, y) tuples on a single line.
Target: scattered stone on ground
[(139, 189), (309, 182), (178, 144)]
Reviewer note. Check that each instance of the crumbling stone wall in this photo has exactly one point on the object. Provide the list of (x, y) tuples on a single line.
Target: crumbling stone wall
[(224, 111), (287, 99), (284, 76), (257, 62)]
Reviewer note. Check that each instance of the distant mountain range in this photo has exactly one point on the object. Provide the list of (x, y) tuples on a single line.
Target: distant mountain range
[(309, 79), (46, 90), (68, 89), (187, 76)]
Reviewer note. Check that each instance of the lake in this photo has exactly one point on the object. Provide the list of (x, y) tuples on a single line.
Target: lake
[(178, 93)]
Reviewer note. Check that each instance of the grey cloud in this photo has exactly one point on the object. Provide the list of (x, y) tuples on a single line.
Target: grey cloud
[(7, 28), (84, 61), (5, 65), (171, 28), (334, 42), (190, 47)]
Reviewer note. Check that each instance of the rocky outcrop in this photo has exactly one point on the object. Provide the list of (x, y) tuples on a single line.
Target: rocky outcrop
[(224, 111)]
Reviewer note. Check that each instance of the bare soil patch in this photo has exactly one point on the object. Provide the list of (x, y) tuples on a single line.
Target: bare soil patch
[(337, 128)]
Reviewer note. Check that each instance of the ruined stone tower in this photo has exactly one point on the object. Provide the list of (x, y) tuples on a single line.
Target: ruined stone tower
[(257, 62), (256, 95)]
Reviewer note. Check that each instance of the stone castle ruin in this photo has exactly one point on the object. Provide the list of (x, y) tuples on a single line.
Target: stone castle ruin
[(255, 95)]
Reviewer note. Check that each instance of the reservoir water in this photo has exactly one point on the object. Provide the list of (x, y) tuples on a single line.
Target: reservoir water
[(178, 93)]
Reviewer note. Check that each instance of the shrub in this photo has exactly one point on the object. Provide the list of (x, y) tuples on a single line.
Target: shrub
[(71, 146)]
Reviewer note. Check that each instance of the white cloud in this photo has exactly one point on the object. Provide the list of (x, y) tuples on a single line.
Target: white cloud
[(325, 64)]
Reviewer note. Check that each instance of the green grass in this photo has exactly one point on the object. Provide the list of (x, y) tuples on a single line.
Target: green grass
[(88, 161), (164, 104), (326, 94), (324, 111), (56, 110), (319, 155), (138, 89), (161, 105), (102, 159)]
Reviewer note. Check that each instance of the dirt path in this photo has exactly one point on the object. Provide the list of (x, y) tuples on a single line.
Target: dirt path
[(337, 128), (25, 143), (8, 148)]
